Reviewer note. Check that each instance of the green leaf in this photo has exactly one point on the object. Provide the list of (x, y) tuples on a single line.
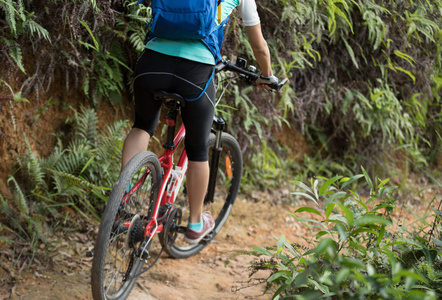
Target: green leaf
[(438, 212), (281, 242), (329, 182), (279, 291), (351, 180), (353, 263), (303, 186), (18, 98), (16, 54), (367, 178), (263, 251), (96, 45), (350, 51), (381, 236), (360, 230), (384, 182), (308, 209), (347, 213), (324, 245), (329, 210), (437, 242), (333, 197), (406, 72), (342, 275), (362, 204), (372, 220), (305, 195), (278, 275), (321, 234), (411, 274)]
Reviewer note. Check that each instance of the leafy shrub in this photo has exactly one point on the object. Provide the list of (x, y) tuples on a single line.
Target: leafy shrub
[(76, 177), (365, 79), (88, 43), (359, 251)]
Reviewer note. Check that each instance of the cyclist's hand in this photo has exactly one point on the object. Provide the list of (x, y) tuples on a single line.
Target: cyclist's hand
[(267, 82)]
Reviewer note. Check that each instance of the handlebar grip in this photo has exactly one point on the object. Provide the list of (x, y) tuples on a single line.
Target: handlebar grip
[(279, 85)]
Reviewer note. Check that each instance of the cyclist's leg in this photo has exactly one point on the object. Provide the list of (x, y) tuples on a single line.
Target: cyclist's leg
[(197, 180), (198, 117), (147, 110), (136, 141)]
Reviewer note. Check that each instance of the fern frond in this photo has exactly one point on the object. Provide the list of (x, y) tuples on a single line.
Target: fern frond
[(77, 188), (10, 11), (86, 125), (350, 52), (71, 180), (51, 160), (136, 39), (36, 28), (111, 142), (16, 54), (33, 168), (19, 199), (74, 158)]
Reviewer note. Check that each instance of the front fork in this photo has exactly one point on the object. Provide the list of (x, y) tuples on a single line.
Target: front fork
[(219, 124)]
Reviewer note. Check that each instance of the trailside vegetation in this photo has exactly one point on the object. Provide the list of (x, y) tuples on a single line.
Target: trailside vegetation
[(365, 89), (366, 83), (359, 247)]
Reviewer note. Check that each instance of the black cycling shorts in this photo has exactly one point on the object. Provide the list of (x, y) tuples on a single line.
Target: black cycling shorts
[(155, 71)]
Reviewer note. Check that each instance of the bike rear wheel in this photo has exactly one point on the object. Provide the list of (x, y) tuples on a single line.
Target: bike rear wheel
[(227, 186), (118, 254)]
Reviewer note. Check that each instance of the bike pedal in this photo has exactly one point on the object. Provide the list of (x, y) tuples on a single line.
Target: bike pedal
[(179, 229), (208, 238)]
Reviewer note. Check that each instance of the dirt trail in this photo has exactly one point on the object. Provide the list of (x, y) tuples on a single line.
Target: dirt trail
[(203, 276)]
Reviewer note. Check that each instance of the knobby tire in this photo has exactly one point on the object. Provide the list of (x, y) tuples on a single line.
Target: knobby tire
[(110, 278)]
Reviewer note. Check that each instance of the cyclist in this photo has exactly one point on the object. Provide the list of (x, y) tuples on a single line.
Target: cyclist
[(185, 67)]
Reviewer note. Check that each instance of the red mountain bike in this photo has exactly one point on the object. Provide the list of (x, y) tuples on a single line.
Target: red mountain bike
[(148, 203)]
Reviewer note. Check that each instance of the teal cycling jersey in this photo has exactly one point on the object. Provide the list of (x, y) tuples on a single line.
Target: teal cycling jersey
[(195, 50)]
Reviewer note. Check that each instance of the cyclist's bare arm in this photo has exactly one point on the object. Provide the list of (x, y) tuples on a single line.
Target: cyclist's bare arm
[(260, 49), (262, 56)]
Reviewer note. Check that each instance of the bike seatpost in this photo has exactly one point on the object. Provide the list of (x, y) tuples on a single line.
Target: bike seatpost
[(171, 123)]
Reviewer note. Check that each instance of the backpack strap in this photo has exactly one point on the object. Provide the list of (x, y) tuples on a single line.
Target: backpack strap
[(205, 88), (219, 11)]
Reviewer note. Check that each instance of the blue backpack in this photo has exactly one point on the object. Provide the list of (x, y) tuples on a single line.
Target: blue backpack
[(188, 19)]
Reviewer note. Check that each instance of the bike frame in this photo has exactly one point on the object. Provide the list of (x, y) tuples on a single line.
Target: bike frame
[(169, 188), (173, 177)]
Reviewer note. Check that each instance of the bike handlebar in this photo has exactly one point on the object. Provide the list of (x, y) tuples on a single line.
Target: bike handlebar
[(250, 76)]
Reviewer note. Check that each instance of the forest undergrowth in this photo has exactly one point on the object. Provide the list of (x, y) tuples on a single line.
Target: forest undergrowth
[(365, 90)]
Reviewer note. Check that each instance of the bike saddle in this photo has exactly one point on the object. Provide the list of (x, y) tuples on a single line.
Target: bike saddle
[(165, 96)]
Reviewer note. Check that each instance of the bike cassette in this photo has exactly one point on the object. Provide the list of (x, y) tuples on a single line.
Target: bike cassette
[(135, 233), (170, 232)]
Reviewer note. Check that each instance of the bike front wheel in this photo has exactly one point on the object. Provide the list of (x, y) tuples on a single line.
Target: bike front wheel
[(120, 249), (226, 189)]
